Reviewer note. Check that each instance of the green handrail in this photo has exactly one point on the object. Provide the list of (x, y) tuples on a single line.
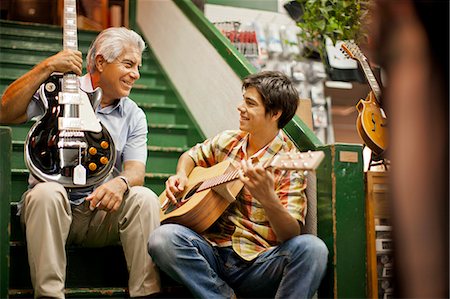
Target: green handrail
[(296, 129)]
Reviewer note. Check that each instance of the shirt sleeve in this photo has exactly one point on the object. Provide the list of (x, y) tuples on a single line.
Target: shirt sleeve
[(291, 192), (136, 144), (203, 153), (35, 107)]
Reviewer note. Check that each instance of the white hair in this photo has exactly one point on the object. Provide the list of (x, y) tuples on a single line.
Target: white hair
[(110, 43)]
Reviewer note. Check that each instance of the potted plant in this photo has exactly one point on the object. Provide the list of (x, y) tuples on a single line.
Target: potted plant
[(333, 19)]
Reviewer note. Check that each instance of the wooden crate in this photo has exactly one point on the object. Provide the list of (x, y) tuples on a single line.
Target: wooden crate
[(377, 213)]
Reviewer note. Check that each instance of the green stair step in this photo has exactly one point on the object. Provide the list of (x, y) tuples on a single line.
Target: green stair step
[(159, 113), (21, 46), (19, 182), (168, 135), (159, 159), (170, 132), (27, 61), (40, 36), (147, 87), (41, 30), (77, 293)]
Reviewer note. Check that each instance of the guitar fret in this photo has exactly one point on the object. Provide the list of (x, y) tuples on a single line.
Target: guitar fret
[(70, 25), (371, 78)]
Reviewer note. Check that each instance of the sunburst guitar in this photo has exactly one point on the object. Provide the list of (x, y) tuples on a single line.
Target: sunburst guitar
[(372, 121), (211, 190)]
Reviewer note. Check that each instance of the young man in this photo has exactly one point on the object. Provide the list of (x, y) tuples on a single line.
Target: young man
[(255, 248), (117, 210)]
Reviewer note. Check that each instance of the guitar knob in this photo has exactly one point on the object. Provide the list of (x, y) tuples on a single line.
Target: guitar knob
[(104, 144), (92, 151), (104, 160), (92, 166)]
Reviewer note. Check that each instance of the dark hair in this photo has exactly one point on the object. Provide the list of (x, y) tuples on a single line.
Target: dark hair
[(277, 93)]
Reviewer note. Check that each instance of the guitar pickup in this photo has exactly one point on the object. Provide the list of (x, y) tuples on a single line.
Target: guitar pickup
[(70, 123), (72, 98)]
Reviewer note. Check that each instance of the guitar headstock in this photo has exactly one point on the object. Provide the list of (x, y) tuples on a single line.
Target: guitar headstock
[(298, 161), (351, 50)]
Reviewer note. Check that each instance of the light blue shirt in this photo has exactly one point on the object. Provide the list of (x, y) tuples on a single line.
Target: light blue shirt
[(125, 122)]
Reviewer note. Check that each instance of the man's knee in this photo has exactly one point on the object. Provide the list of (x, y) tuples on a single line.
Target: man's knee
[(312, 247), (48, 194), (160, 241), (144, 197)]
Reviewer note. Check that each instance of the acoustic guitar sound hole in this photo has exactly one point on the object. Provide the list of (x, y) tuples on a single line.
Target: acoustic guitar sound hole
[(181, 201), (190, 193)]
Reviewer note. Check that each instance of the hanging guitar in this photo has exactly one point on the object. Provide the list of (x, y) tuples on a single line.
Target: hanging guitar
[(372, 121), (211, 190), (68, 144)]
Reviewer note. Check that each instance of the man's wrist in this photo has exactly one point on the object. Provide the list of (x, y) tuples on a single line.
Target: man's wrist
[(127, 183)]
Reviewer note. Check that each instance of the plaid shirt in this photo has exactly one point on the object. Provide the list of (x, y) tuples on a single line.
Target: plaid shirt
[(244, 224)]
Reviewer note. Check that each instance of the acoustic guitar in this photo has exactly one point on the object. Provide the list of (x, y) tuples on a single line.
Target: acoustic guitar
[(372, 121), (211, 190), (68, 144)]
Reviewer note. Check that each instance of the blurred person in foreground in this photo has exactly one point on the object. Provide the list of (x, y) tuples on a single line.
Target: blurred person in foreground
[(410, 42)]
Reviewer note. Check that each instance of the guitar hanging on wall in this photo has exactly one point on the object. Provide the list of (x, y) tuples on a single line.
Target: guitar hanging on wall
[(68, 144), (210, 190), (371, 122)]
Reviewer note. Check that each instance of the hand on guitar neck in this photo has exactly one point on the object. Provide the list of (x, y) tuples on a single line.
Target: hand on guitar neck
[(199, 199)]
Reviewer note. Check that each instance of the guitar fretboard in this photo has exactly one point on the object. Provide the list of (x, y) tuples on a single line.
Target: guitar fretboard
[(371, 78), (70, 39), (218, 180), (70, 82)]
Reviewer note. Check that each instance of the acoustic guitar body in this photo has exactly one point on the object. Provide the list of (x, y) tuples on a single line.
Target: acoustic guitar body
[(372, 124), (198, 210)]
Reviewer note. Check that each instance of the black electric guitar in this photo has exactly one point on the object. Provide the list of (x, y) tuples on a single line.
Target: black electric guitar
[(68, 144)]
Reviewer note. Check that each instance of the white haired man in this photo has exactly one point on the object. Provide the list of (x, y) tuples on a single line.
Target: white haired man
[(117, 209)]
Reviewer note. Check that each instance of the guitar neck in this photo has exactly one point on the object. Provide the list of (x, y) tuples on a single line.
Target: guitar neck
[(70, 41), (308, 161), (371, 79), (219, 180)]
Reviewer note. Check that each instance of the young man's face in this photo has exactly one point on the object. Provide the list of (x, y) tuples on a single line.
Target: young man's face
[(253, 117), (118, 77)]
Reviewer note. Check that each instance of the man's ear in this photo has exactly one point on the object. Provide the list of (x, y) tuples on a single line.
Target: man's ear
[(276, 114), (99, 63)]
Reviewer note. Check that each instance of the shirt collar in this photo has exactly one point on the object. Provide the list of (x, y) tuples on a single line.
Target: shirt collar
[(267, 151), (86, 86)]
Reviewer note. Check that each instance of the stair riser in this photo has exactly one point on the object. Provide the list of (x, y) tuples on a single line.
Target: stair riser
[(157, 162), (160, 136)]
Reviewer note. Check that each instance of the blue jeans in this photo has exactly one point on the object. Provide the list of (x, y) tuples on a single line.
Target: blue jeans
[(293, 269)]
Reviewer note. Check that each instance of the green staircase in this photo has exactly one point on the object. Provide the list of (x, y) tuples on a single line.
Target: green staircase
[(171, 132)]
